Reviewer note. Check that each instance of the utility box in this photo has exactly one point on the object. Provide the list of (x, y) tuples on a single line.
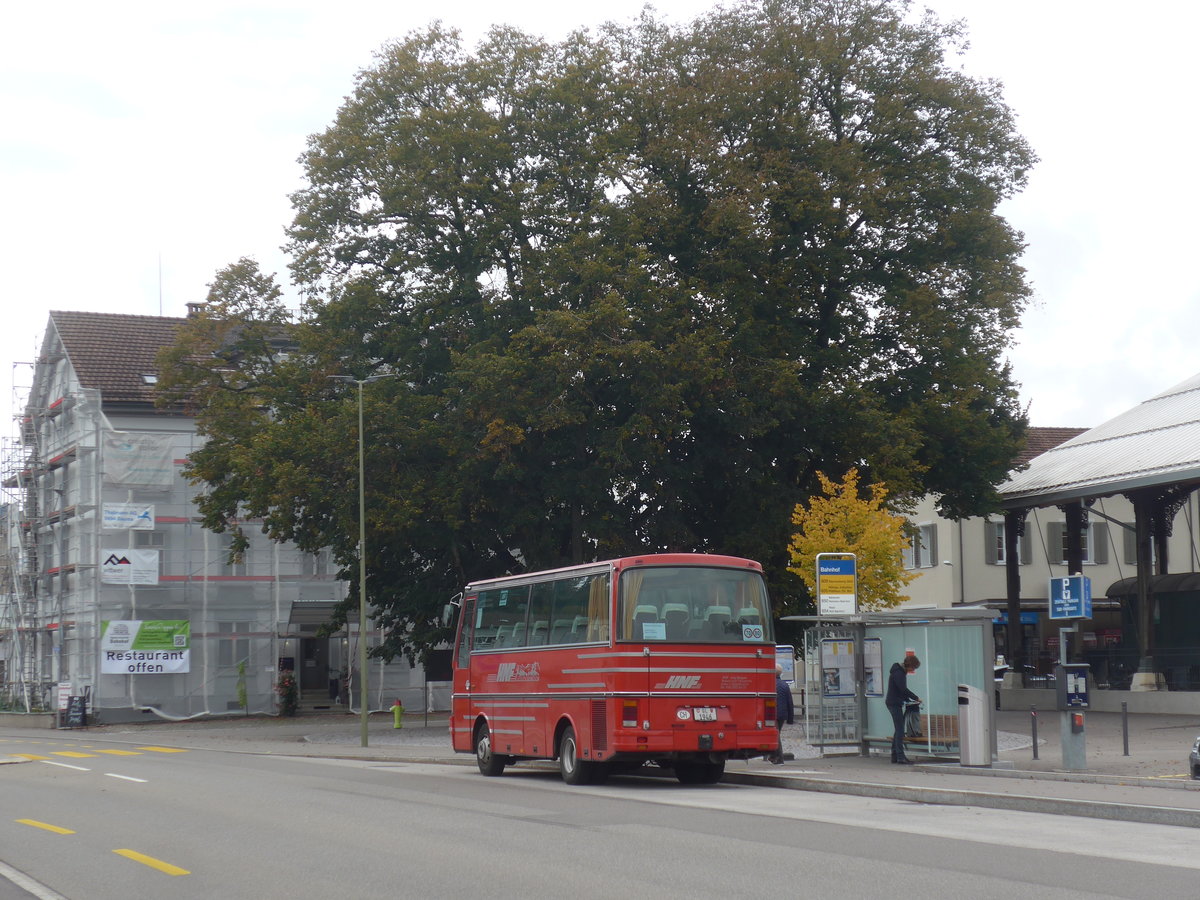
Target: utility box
[(974, 748)]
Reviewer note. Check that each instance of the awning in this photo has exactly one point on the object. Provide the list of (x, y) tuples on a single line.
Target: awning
[(312, 613), (1171, 583)]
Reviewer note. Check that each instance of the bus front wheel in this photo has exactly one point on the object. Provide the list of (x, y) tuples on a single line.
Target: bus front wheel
[(489, 762)]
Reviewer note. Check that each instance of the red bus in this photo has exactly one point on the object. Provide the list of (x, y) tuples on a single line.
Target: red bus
[(665, 658)]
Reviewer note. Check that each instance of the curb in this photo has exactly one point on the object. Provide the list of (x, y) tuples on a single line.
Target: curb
[(1091, 809)]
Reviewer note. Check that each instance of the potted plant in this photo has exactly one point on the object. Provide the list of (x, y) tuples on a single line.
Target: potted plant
[(289, 693)]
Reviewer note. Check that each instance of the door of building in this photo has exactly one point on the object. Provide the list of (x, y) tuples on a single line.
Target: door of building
[(314, 664)]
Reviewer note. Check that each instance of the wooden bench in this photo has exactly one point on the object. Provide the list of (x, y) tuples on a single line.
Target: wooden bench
[(940, 731)]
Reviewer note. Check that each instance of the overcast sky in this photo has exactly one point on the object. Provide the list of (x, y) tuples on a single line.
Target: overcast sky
[(145, 145)]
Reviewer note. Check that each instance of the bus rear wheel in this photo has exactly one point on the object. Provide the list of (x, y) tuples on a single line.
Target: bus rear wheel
[(490, 763), (574, 770), (699, 772)]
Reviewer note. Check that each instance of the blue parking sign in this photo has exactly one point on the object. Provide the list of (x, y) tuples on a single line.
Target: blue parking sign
[(1071, 597)]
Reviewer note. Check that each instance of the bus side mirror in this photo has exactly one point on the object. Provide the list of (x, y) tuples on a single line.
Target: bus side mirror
[(448, 609)]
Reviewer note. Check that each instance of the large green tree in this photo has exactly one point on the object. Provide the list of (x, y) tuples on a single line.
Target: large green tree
[(637, 288)]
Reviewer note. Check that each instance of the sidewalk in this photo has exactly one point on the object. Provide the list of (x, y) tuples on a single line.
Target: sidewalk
[(1151, 784)]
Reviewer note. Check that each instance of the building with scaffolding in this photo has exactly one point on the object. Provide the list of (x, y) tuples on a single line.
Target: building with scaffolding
[(111, 589)]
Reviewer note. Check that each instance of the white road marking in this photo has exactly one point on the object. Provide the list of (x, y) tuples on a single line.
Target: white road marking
[(63, 765)]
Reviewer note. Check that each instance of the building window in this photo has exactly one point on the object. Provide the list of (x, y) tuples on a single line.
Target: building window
[(239, 565), (994, 545), (233, 643), (314, 563), (922, 552), (147, 539), (1093, 543)]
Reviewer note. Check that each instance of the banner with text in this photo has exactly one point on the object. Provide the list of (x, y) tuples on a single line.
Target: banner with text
[(129, 567), (138, 516), (150, 647)]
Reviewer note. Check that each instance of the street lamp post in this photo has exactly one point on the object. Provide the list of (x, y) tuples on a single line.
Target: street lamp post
[(362, 558)]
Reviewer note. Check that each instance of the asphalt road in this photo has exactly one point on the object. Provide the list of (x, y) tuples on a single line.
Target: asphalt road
[(94, 819)]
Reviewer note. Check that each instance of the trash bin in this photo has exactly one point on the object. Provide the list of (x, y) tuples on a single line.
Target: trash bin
[(973, 745)]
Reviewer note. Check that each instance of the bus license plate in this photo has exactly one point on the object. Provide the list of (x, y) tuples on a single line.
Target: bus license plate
[(705, 714)]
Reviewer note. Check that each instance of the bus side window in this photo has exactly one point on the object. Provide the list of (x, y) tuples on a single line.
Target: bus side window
[(501, 618), (569, 612), (541, 606)]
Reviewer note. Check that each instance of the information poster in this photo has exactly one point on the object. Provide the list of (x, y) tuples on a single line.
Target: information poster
[(873, 667), (785, 657), (837, 668)]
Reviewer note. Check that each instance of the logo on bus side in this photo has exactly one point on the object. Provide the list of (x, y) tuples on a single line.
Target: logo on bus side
[(518, 672), (678, 681)]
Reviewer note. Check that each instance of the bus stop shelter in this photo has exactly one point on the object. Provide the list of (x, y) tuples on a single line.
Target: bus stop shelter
[(846, 663)]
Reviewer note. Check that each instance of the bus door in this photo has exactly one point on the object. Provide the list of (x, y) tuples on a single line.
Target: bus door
[(460, 700)]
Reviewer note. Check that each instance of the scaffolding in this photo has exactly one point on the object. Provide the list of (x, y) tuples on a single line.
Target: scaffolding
[(101, 529)]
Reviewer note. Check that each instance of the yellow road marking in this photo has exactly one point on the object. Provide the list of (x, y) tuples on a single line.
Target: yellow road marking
[(152, 862), (30, 756), (74, 754), (164, 749), (120, 752), (36, 824)]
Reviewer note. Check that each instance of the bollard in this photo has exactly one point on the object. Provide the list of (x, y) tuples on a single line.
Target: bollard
[(1033, 714), (397, 714), (1125, 726)]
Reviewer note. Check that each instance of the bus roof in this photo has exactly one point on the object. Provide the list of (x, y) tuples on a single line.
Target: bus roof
[(626, 562)]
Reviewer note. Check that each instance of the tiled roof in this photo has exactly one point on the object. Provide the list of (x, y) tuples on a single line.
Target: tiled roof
[(1155, 443), (112, 351), (1039, 440)]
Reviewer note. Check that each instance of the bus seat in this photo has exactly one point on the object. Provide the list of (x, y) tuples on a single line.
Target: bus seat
[(541, 630), (749, 616), (561, 632), (579, 628), (644, 614), (715, 619), (676, 616), (503, 636), (518, 635)]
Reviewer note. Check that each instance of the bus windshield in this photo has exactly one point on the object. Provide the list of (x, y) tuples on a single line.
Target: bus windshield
[(694, 604)]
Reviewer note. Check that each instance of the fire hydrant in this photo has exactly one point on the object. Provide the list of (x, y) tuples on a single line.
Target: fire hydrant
[(397, 714)]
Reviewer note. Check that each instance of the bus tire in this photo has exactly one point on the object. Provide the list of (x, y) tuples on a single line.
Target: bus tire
[(574, 770), (699, 772), (490, 763)]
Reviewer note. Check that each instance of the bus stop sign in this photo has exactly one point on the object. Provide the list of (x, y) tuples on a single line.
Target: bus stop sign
[(837, 584)]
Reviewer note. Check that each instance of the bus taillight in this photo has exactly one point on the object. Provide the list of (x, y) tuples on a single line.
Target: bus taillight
[(769, 712), (629, 713)]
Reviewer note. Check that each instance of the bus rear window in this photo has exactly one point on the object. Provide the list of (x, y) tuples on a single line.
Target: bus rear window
[(694, 604)]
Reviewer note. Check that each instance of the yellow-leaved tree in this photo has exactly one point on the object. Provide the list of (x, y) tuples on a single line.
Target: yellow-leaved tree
[(841, 521)]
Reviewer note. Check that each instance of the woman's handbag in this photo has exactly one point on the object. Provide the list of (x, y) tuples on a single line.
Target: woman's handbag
[(912, 719)]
